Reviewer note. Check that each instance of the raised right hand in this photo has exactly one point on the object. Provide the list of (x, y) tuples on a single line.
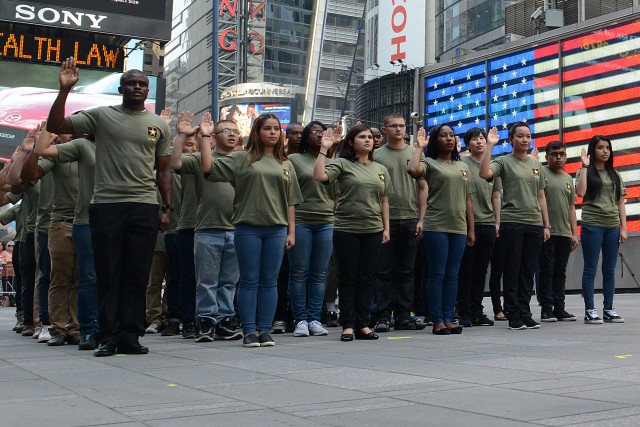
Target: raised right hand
[(327, 139), (586, 159), (493, 138), (68, 74), (206, 125), (422, 140), (185, 121)]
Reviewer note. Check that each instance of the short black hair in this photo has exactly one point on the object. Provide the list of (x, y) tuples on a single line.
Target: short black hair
[(473, 133), (432, 146), (554, 145), (514, 126)]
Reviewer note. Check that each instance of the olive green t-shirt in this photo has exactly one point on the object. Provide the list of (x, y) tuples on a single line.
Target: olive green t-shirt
[(9, 215), (65, 183), (449, 183), (482, 208), (521, 181), (560, 194), (45, 204), (362, 187), (403, 203), (214, 199), (127, 144), (29, 211), (82, 151), (603, 210), (188, 203), (263, 189), (317, 207), (176, 200)]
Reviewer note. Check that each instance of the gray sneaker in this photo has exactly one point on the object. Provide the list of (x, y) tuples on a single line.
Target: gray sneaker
[(591, 317), (279, 327), (302, 329), (316, 329), (153, 328)]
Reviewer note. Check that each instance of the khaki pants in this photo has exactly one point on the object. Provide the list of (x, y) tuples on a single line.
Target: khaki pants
[(155, 312), (63, 300)]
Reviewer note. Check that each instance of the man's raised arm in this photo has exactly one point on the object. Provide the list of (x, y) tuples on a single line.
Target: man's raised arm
[(57, 122)]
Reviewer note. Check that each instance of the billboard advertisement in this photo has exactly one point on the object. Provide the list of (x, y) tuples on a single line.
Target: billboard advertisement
[(401, 32), (28, 91), (569, 90), (245, 114), (145, 19)]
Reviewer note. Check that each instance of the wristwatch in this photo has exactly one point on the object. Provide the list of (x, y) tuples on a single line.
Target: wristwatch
[(168, 207)]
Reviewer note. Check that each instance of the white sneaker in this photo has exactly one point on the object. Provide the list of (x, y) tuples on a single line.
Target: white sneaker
[(153, 328), (610, 316), (44, 334), (591, 317), (315, 328), (302, 329)]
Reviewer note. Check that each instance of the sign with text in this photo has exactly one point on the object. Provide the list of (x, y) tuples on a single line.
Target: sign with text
[(33, 48), (145, 19), (401, 32)]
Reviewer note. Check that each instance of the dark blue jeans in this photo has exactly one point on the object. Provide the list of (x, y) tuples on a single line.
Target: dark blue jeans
[(308, 264), (44, 279), (28, 271), (184, 238), (259, 249), (172, 288), (444, 253), (87, 285), (593, 240)]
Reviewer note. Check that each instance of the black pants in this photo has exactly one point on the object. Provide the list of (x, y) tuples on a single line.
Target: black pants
[(554, 257), (522, 244), (283, 309), (357, 254), (473, 271), (495, 278), (184, 239), (124, 236), (17, 278), (28, 273), (393, 285), (172, 289)]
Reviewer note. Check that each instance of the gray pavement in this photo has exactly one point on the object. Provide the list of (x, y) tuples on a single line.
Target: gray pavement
[(564, 374)]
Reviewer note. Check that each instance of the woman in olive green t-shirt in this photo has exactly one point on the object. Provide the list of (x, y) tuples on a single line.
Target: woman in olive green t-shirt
[(604, 225), (266, 192), (361, 224), (449, 221)]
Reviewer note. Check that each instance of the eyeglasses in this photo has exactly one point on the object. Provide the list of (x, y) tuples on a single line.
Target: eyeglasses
[(395, 126), (317, 132), (10, 246), (558, 154), (229, 131)]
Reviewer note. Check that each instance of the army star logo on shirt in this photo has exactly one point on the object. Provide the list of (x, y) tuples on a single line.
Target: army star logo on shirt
[(381, 176), (286, 174), (152, 133), (568, 187), (536, 172), (465, 175)]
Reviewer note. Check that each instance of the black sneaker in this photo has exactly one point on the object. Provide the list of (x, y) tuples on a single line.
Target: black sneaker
[(405, 325), (224, 331), (189, 331), (465, 321), (87, 342), (382, 327), (482, 320), (265, 340), (591, 317), (563, 316), (332, 320), (171, 329), (530, 323), (516, 324), (610, 316), (548, 316), (205, 330), (251, 340)]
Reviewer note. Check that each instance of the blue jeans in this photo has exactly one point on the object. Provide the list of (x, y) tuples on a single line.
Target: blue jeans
[(44, 279), (308, 264), (444, 254), (216, 264), (593, 240), (87, 288), (260, 250), (184, 238)]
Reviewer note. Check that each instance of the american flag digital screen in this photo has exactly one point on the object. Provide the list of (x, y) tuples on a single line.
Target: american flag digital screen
[(569, 90)]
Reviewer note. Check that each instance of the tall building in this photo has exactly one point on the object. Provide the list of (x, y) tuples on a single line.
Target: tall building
[(279, 46), (153, 59)]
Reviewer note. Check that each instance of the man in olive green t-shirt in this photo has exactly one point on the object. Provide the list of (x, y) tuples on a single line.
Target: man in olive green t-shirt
[(554, 256), (394, 282), (123, 215)]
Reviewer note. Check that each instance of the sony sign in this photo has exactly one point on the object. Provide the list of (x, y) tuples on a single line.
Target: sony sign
[(401, 32), (51, 16)]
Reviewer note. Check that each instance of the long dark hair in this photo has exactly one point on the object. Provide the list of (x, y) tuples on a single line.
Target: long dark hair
[(347, 151), (255, 146), (432, 146), (594, 183), (302, 148)]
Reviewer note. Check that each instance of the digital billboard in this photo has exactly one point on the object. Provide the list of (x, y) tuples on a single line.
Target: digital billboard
[(457, 98), (28, 91), (146, 19), (245, 114)]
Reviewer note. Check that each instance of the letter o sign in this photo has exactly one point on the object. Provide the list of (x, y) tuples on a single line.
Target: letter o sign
[(395, 25)]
